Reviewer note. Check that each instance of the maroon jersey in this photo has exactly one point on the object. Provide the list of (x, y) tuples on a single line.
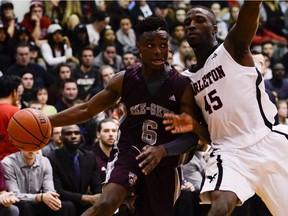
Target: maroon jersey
[(140, 125), (142, 122)]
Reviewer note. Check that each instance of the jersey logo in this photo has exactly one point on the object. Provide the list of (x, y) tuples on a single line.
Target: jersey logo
[(211, 178), (172, 98), (103, 168), (132, 178), (214, 56)]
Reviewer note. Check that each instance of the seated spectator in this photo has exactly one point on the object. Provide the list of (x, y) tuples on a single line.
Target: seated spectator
[(278, 84), (41, 95), (100, 21), (128, 59), (22, 56), (108, 35), (141, 10), (106, 72), (6, 52), (22, 36), (222, 28), (282, 113), (63, 71), (76, 174), (126, 34), (28, 94), (58, 49), (106, 135), (7, 199), (9, 99), (109, 57), (35, 22), (29, 176), (8, 17), (80, 40), (177, 36), (69, 94), (86, 75), (178, 57), (55, 142), (193, 174), (35, 55)]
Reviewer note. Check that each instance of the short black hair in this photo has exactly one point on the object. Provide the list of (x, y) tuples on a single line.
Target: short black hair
[(214, 22), (151, 24), (8, 84)]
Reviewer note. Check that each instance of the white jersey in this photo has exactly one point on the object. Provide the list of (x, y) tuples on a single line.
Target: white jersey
[(233, 101)]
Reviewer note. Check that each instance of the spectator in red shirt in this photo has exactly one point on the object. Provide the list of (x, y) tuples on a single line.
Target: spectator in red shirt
[(35, 22), (9, 99)]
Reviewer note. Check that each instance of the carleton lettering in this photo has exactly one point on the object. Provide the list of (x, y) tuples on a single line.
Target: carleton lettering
[(212, 76)]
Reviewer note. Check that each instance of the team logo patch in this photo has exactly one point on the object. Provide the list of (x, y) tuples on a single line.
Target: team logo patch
[(211, 178), (172, 98), (132, 179)]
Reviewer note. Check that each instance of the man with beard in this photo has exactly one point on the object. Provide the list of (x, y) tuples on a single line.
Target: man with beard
[(76, 175)]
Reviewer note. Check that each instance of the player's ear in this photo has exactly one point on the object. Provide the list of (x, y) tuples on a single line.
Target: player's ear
[(214, 29)]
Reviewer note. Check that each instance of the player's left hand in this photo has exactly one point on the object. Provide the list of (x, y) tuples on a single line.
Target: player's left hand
[(150, 156)]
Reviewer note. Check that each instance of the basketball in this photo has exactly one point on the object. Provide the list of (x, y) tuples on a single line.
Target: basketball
[(29, 129)]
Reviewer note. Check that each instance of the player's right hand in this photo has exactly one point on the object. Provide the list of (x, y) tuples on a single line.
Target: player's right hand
[(178, 123)]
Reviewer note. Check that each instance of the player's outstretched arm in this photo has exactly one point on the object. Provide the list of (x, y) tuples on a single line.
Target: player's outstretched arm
[(100, 102), (240, 36)]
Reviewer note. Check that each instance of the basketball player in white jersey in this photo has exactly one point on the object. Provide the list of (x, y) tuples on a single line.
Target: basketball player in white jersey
[(248, 153)]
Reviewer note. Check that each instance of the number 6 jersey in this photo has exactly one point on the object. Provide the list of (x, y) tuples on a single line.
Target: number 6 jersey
[(218, 88), (142, 122)]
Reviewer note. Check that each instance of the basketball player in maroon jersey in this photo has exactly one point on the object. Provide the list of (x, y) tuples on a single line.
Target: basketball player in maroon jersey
[(147, 91)]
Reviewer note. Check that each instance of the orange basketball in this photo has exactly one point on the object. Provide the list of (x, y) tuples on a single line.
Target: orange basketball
[(29, 129)]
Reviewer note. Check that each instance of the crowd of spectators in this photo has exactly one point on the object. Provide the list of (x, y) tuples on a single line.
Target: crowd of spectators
[(66, 51)]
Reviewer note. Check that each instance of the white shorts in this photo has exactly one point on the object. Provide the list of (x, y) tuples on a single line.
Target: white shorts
[(260, 168)]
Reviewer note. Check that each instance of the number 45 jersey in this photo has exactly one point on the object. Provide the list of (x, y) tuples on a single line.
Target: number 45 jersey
[(233, 100), (142, 122)]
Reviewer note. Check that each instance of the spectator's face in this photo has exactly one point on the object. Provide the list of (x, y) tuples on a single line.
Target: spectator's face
[(71, 136), (107, 74), (216, 8), (282, 109), (24, 37), (58, 37), (179, 33), (109, 35), (108, 133), (110, 53), (125, 25), (65, 73), (278, 71), (184, 48), (8, 13), (42, 96), (128, 59), (70, 91), (170, 58), (22, 56), (56, 136), (37, 11), (87, 58), (27, 81), (180, 15), (268, 49)]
